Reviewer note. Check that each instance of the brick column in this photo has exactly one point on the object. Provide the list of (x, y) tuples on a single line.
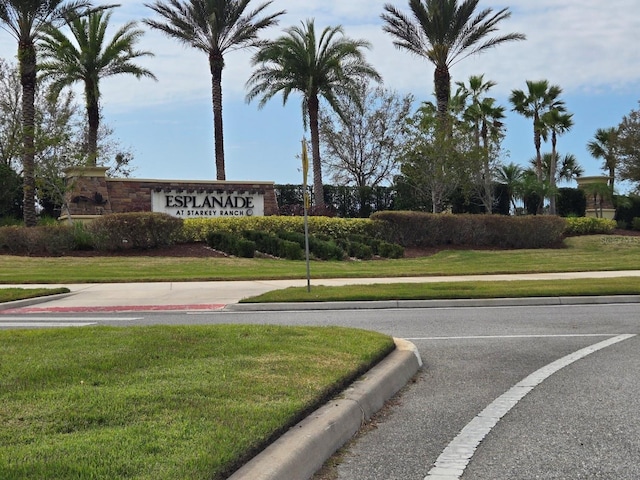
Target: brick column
[(87, 195)]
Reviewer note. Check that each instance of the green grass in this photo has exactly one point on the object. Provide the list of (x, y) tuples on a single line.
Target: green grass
[(11, 294), (454, 290), (178, 402), (597, 252)]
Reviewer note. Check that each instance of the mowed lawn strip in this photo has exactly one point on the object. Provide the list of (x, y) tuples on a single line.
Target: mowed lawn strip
[(588, 253), (12, 294), (164, 402), (453, 290)]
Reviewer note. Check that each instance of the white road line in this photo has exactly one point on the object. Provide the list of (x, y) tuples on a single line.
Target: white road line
[(482, 337), (452, 462), (43, 324)]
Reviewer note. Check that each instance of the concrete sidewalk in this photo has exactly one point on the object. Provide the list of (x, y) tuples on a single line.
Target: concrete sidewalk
[(218, 295)]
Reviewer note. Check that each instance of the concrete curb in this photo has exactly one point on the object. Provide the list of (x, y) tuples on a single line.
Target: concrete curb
[(27, 302), (388, 304), (300, 452)]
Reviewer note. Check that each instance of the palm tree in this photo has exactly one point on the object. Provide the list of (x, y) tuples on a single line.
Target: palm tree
[(445, 32), (539, 99), (214, 27), (90, 61), (477, 111), (557, 122), (569, 168), (329, 67), (605, 146), (511, 176), (26, 20), (486, 120)]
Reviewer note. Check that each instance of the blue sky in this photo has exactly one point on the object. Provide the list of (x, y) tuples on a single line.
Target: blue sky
[(588, 50)]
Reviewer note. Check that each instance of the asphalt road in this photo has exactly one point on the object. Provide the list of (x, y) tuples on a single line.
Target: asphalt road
[(580, 422)]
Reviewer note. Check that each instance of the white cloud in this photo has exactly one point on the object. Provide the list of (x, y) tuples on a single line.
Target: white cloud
[(581, 45)]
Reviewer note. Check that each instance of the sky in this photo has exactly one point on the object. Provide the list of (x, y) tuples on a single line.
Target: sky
[(587, 47)]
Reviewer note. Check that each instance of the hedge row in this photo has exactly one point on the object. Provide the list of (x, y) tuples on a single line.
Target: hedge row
[(44, 240), (409, 229), (196, 230), (416, 229), (291, 245), (589, 225), (107, 233), (124, 231)]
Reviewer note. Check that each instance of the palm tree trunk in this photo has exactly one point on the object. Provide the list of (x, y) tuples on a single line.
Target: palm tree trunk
[(442, 83), (27, 61), (216, 64), (537, 143), (93, 115), (318, 188)]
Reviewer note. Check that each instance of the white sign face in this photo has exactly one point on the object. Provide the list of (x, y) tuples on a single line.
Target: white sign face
[(207, 205)]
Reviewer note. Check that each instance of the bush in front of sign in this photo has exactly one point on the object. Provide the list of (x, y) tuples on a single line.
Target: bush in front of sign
[(135, 230)]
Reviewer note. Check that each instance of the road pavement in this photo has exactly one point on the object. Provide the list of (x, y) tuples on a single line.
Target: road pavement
[(298, 453)]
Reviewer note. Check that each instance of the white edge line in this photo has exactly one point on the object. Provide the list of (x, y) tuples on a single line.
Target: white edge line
[(452, 462), (483, 337)]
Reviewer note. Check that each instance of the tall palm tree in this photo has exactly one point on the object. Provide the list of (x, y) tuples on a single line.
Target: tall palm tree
[(26, 20), (557, 122), (214, 27), (539, 99), (605, 146), (329, 67), (476, 92), (445, 32), (486, 119), (89, 60)]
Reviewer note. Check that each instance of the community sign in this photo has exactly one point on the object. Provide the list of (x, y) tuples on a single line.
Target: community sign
[(206, 205)]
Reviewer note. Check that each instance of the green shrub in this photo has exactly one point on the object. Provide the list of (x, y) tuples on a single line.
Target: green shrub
[(82, 237), (635, 223), (41, 240), (222, 241), (290, 250), (390, 250), (589, 226), (196, 229), (417, 229), (325, 250), (265, 242), (360, 250), (244, 248), (571, 202), (121, 231)]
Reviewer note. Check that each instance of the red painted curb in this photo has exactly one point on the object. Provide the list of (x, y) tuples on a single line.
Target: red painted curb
[(123, 308)]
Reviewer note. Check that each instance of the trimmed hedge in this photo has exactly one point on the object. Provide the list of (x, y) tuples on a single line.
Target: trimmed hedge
[(589, 226), (123, 231), (197, 229), (42, 240), (417, 229)]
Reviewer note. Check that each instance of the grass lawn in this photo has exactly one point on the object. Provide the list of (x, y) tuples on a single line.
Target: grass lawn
[(453, 290), (11, 294), (597, 252), (163, 402)]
